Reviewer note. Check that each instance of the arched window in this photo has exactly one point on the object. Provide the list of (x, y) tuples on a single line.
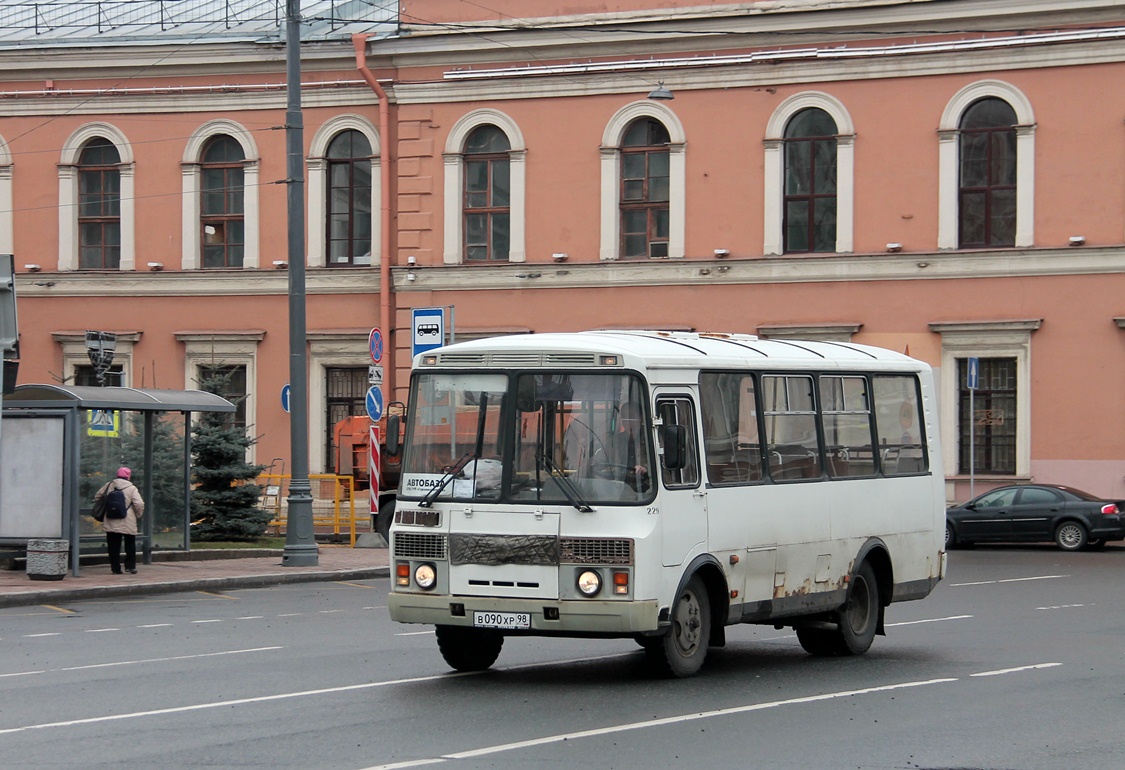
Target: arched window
[(349, 199), (644, 196), (486, 197), (810, 182), (221, 202), (987, 182), (99, 206)]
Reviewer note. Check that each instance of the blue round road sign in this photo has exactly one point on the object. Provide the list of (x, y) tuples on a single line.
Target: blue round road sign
[(374, 404), (375, 345)]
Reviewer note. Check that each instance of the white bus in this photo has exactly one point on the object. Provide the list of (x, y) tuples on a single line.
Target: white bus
[(662, 486)]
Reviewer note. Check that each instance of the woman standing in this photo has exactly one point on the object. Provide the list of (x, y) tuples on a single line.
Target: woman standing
[(125, 527)]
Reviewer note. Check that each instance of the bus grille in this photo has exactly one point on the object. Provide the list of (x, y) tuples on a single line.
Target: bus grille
[(575, 550), (416, 545), (504, 549)]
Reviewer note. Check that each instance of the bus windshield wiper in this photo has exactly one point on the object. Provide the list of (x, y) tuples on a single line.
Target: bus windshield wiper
[(454, 469), (565, 484)]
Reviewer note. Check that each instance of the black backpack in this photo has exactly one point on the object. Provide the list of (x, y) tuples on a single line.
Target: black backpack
[(115, 505)]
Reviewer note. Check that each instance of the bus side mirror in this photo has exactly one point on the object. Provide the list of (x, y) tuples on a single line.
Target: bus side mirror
[(674, 440), (392, 434)]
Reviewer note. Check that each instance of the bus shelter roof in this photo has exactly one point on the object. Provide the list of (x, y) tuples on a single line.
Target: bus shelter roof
[(128, 399)]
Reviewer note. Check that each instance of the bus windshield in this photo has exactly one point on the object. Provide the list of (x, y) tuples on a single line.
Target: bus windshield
[(569, 439)]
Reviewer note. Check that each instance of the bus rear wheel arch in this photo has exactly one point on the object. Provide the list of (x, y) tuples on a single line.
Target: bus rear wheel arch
[(857, 621)]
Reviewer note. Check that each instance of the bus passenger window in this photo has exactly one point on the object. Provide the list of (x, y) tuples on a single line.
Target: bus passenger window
[(792, 449), (730, 427), (846, 422), (902, 440), (678, 411)]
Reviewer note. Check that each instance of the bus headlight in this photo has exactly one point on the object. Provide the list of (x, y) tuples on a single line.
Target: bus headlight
[(425, 576), (589, 583)]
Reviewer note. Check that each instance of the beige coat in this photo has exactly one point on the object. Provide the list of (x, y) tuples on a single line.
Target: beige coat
[(134, 511)]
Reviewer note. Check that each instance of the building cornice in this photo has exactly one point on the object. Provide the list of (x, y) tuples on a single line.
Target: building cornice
[(913, 266)]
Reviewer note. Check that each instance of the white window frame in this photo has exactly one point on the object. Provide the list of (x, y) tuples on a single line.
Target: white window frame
[(774, 243), (611, 177), (454, 176), (345, 348), (68, 194), (192, 182), (226, 348), (949, 177), (817, 332), (986, 339), (74, 354), (318, 187)]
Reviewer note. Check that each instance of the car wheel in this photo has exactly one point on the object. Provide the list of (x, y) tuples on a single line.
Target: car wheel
[(1070, 536), (469, 649), (950, 537), (681, 651)]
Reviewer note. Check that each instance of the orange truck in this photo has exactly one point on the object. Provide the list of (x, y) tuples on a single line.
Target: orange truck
[(351, 438)]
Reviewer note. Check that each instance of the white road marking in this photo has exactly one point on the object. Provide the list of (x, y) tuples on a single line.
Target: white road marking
[(928, 620), (1062, 606), (655, 723), (1009, 580), (290, 614), (211, 620), (251, 617), (156, 625), (227, 703), (36, 636), (1015, 670), (99, 630), (138, 662), (416, 633)]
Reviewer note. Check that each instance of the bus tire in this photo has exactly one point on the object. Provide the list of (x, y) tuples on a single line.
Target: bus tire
[(469, 649), (856, 625), (859, 619), (680, 652), (384, 518)]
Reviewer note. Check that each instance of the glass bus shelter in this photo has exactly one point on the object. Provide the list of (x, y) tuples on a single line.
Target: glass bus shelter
[(60, 444)]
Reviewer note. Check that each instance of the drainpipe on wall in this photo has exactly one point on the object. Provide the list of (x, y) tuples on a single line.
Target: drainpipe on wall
[(359, 41)]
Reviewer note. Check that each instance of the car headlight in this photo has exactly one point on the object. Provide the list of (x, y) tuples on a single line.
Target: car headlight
[(425, 576), (589, 583)]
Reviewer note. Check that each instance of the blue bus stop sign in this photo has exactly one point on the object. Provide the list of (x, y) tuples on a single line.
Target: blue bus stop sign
[(374, 402)]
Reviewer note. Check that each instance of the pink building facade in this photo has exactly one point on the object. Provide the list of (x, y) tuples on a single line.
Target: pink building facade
[(942, 177)]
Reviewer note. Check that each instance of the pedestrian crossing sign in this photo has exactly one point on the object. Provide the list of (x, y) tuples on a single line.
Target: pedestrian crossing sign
[(104, 422)]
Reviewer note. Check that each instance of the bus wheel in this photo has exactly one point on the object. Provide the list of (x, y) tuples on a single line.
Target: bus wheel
[(469, 649), (858, 621), (681, 651), (384, 518)]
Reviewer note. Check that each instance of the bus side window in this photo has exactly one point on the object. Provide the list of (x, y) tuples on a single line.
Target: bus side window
[(902, 441), (730, 427), (679, 411)]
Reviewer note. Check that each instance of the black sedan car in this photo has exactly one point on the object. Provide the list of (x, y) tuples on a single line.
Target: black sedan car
[(1035, 513)]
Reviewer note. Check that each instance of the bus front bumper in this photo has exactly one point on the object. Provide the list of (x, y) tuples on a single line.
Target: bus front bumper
[(564, 618)]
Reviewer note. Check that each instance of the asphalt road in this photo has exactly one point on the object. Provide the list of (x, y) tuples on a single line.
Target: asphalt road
[(1016, 662)]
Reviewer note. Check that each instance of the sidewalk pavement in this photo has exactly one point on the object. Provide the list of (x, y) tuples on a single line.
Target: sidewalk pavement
[(200, 570)]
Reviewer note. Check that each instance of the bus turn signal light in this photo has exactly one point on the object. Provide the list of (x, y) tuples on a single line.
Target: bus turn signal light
[(402, 573), (621, 582)]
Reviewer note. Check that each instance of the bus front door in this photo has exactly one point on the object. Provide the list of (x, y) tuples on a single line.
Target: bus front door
[(683, 498)]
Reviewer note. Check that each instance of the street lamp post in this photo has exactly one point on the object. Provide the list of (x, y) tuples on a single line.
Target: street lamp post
[(300, 540)]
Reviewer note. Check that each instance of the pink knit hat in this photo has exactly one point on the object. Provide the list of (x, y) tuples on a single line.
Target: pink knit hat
[(124, 473)]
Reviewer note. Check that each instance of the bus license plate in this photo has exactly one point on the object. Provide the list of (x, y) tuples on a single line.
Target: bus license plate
[(502, 620)]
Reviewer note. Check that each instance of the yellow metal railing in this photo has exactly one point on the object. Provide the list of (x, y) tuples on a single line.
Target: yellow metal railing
[(334, 503)]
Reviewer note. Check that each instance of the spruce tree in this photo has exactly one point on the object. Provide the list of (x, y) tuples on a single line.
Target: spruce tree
[(224, 504)]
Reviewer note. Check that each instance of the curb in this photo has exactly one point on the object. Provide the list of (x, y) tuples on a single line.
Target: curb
[(26, 598)]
